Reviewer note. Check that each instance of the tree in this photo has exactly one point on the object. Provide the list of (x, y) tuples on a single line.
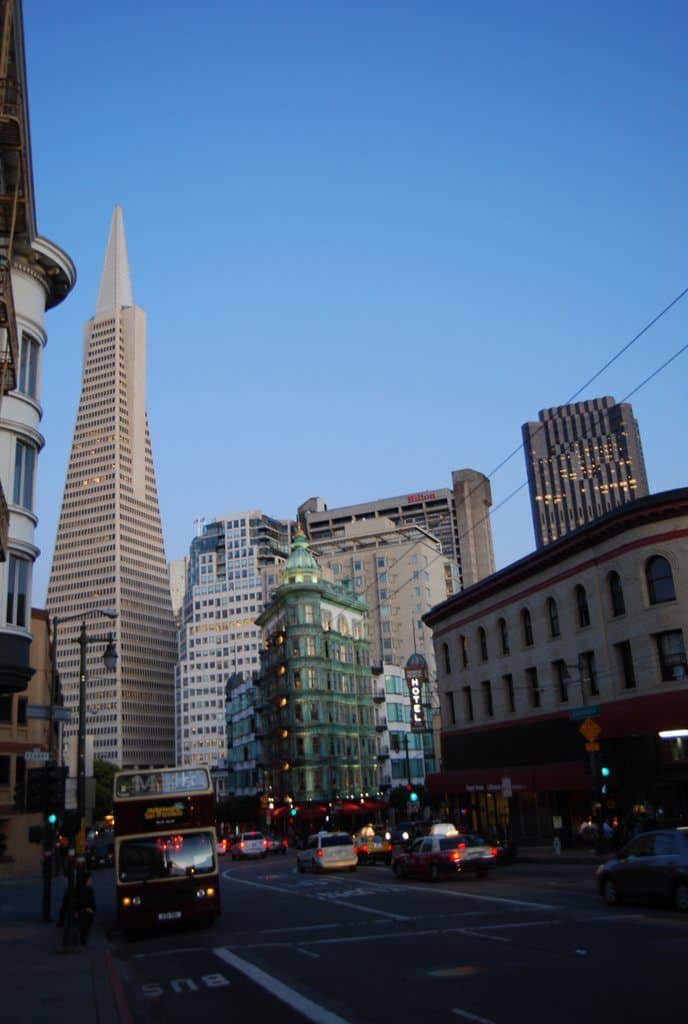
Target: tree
[(104, 773)]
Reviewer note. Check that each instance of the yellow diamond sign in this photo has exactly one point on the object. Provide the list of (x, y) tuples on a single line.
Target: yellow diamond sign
[(590, 730)]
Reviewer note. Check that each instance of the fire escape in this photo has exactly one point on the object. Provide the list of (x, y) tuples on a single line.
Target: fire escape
[(13, 213)]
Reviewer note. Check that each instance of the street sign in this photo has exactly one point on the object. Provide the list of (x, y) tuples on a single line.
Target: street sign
[(592, 748), (507, 788), (37, 755), (590, 730), (578, 714)]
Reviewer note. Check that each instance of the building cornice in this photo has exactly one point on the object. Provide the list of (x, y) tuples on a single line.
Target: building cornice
[(655, 508)]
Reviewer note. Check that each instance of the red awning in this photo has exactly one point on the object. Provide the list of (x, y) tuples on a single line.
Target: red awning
[(302, 810), (563, 775), (351, 807)]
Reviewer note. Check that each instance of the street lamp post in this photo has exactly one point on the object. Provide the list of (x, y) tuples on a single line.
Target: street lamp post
[(70, 936)]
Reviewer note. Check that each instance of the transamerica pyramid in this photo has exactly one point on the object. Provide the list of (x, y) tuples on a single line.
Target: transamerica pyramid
[(109, 552)]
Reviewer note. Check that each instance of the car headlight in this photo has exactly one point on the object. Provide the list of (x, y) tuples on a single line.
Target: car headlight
[(404, 835), (136, 901), (388, 836), (200, 893)]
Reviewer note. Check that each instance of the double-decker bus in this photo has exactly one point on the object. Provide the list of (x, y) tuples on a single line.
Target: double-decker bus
[(166, 865)]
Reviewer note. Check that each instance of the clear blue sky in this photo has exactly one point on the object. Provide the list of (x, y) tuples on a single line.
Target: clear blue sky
[(372, 238)]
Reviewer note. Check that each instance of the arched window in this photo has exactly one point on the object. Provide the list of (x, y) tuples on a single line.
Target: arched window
[(553, 617), (463, 648), (482, 640), (503, 636), (660, 581), (616, 594), (582, 610), (527, 628), (447, 662)]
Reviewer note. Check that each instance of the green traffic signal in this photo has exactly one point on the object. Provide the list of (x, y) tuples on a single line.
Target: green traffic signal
[(52, 819), (413, 797), (292, 812), (605, 772)]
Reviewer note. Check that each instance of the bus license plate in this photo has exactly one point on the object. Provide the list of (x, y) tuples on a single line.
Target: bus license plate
[(170, 915)]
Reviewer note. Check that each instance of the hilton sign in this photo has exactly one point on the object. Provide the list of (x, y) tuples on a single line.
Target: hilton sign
[(416, 675)]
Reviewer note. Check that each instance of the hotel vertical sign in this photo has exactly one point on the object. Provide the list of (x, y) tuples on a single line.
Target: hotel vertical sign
[(416, 676)]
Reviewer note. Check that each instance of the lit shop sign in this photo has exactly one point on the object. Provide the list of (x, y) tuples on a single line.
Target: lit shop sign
[(414, 680), (423, 496), (165, 814)]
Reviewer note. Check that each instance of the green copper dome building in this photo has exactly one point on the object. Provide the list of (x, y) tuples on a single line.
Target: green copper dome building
[(315, 687)]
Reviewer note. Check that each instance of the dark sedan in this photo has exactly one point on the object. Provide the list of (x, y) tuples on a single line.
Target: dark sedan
[(653, 865)]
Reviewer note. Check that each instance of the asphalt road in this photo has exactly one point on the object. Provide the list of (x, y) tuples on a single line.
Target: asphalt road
[(529, 943)]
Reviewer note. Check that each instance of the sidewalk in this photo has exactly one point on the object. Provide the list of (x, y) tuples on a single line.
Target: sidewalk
[(546, 855), (43, 984)]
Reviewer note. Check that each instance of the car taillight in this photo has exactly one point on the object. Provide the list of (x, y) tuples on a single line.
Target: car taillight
[(320, 853), (455, 855), (242, 844), (355, 849), (285, 843), (266, 842), (493, 851)]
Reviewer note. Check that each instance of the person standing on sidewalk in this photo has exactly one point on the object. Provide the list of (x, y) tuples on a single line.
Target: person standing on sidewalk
[(86, 907)]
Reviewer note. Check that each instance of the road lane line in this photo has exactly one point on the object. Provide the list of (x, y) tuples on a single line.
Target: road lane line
[(310, 1010), (514, 924), (472, 1016), (299, 928), (369, 938), (307, 952), (366, 910), (318, 896), (476, 896)]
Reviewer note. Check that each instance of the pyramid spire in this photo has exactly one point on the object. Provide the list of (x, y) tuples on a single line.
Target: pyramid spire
[(115, 284)]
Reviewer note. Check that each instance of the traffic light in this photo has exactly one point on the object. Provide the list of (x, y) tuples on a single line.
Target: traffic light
[(52, 819), (292, 812), (45, 789), (54, 798), (605, 772), (413, 797)]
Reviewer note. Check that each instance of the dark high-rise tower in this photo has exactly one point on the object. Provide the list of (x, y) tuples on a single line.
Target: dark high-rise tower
[(109, 550), (583, 460)]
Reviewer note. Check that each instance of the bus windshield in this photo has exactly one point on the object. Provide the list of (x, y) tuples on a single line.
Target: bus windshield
[(166, 856)]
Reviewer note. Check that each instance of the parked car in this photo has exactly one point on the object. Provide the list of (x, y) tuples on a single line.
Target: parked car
[(327, 850), (100, 850), (372, 847), (277, 844), (654, 864), (250, 844), (446, 855)]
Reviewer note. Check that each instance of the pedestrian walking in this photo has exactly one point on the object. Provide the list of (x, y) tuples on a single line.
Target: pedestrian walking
[(83, 907), (86, 907)]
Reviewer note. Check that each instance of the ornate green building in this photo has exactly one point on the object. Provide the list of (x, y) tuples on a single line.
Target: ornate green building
[(315, 687)]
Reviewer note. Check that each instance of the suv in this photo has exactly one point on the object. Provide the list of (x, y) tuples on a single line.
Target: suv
[(326, 850), (250, 844)]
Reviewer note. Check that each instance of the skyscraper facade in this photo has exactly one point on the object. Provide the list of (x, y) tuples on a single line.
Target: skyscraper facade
[(583, 460), (109, 552), (232, 571), (458, 516)]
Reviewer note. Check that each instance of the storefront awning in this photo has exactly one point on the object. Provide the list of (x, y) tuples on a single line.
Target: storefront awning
[(564, 775)]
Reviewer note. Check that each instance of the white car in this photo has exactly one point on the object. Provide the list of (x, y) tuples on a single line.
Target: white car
[(250, 844), (327, 850)]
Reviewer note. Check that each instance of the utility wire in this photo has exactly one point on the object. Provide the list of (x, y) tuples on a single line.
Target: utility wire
[(521, 486)]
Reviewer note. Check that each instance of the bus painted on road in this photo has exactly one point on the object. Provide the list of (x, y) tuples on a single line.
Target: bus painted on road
[(166, 864)]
